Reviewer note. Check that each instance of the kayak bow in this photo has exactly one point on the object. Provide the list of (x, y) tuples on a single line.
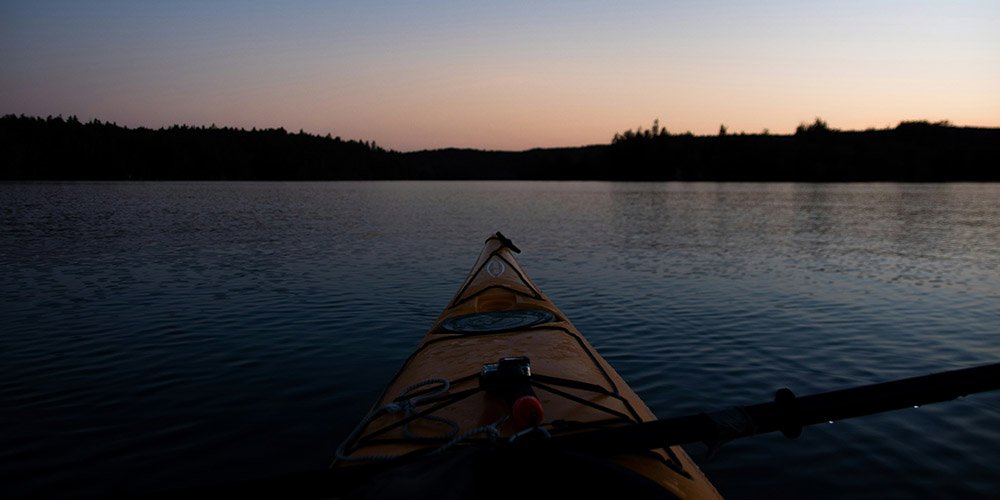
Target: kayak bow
[(502, 364)]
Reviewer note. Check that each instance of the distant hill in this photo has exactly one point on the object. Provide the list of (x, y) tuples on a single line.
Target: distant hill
[(57, 148), (67, 149)]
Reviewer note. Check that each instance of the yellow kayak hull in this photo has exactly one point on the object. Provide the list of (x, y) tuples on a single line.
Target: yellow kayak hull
[(497, 313)]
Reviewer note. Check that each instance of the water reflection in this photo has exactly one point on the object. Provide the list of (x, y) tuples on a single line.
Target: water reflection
[(155, 331)]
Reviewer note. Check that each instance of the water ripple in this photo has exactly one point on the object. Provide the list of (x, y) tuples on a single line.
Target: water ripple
[(161, 335)]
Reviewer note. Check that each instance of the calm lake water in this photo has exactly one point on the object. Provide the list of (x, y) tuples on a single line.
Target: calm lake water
[(162, 335)]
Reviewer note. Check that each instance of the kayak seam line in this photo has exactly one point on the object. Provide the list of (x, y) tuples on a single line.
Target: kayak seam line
[(583, 344)]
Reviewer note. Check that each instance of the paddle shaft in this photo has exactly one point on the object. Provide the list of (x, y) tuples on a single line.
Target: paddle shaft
[(787, 413)]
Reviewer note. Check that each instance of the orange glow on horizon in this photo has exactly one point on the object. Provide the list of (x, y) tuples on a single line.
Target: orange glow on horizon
[(507, 77)]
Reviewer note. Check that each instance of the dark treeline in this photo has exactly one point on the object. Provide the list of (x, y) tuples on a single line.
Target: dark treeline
[(915, 151), (57, 148)]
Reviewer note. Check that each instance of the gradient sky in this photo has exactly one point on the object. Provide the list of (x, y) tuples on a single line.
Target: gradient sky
[(500, 74)]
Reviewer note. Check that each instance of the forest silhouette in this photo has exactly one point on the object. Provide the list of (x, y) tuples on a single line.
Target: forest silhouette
[(57, 148)]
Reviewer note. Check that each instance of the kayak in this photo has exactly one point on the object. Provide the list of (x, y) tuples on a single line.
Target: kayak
[(501, 368)]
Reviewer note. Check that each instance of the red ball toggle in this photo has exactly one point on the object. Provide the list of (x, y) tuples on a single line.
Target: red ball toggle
[(526, 411)]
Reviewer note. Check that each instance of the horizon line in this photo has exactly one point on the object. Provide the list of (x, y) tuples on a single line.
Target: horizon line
[(372, 142)]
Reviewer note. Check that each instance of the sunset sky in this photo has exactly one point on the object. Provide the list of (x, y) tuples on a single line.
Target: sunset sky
[(499, 74)]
